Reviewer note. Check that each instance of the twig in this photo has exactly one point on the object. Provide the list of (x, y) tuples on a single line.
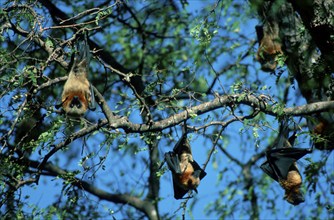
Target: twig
[(213, 147)]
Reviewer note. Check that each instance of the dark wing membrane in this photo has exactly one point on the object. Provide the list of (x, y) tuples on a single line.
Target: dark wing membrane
[(292, 138), (295, 153), (182, 145), (280, 160), (269, 170), (283, 136), (178, 191), (92, 104), (281, 166), (259, 32), (173, 163), (197, 167), (83, 49)]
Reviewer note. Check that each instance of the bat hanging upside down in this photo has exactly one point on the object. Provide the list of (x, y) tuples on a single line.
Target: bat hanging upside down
[(78, 93), (186, 172), (269, 46), (281, 166)]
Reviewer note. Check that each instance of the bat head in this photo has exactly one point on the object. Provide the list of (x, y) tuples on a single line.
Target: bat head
[(184, 182), (188, 180), (292, 187), (294, 198), (75, 103), (267, 60)]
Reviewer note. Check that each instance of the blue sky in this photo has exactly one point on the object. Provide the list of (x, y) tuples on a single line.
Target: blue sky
[(43, 195)]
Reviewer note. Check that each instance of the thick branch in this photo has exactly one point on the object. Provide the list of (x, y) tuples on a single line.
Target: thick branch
[(218, 102), (318, 18), (142, 205)]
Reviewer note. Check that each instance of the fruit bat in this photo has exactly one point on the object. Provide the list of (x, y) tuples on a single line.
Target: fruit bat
[(269, 46), (281, 166), (78, 93), (324, 133), (186, 172)]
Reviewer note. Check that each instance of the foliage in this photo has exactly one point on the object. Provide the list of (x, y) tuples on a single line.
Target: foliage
[(156, 64)]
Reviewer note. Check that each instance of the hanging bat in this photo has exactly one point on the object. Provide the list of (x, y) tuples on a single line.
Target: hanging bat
[(269, 46), (281, 166), (78, 93), (324, 132), (186, 172)]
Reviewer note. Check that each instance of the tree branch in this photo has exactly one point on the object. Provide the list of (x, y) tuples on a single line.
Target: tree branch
[(318, 18), (142, 205), (218, 102)]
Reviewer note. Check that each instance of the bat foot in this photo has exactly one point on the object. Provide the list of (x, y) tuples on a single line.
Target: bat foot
[(184, 198)]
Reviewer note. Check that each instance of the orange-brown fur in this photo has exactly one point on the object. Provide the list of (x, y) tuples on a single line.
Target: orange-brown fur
[(325, 134), (77, 85), (292, 186), (319, 128), (269, 48), (187, 180)]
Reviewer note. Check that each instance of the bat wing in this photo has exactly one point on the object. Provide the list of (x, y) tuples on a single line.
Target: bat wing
[(259, 32), (92, 105), (84, 50), (280, 160), (173, 162), (179, 192), (283, 140), (197, 167), (182, 145), (267, 168)]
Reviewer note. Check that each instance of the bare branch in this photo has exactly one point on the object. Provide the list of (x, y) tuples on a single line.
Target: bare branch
[(145, 206)]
